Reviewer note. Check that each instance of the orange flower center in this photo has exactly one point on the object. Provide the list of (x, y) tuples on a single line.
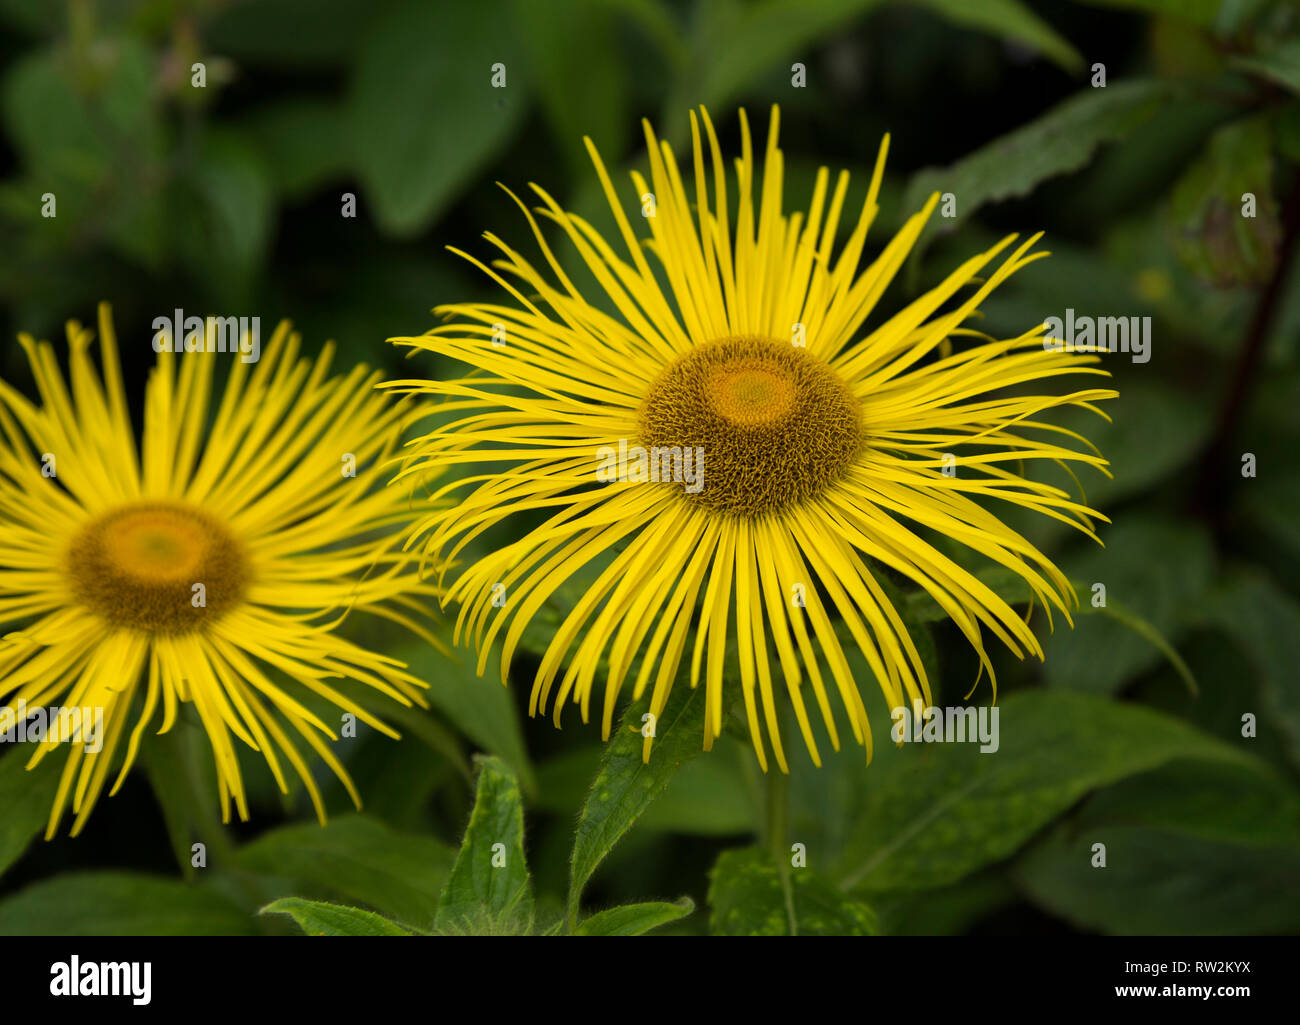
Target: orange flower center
[(776, 425), (159, 566)]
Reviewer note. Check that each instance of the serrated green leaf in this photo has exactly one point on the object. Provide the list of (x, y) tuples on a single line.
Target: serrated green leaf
[(359, 859), (627, 785), (317, 918), (746, 899), (635, 919), (1062, 140), (489, 889), (951, 809), (706, 797), (120, 904), (1011, 20)]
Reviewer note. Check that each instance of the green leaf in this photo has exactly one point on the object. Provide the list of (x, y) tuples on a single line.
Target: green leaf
[(300, 139), (477, 705), (1011, 20), (34, 17), (918, 607), (290, 33), (1264, 506), (184, 783), (1155, 573), (1265, 622), (43, 114), (657, 22), (1280, 65), (1141, 448), (1287, 128), (489, 889), (1202, 12), (1158, 882), (627, 785), (1062, 140), (26, 798), (586, 97), (1139, 627), (228, 214), (1108, 645), (1245, 804), (1211, 234), (87, 129), (424, 115), (746, 899), (399, 782), (706, 797), (358, 859), (635, 919), (948, 911), (734, 43), (949, 809), (316, 918), (120, 904), (1191, 847)]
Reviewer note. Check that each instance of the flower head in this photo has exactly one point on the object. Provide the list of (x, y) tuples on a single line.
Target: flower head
[(210, 570), (786, 451)]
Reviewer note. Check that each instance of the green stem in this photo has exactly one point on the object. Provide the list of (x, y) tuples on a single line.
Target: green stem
[(777, 821), (1218, 460)]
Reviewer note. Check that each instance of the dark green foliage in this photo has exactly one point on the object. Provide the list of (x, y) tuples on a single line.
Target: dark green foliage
[(1165, 726)]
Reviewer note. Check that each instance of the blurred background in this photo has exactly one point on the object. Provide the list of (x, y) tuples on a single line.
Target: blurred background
[(1128, 130)]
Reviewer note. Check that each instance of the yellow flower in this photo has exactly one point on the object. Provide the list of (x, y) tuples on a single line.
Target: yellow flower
[(830, 451), (212, 571)]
